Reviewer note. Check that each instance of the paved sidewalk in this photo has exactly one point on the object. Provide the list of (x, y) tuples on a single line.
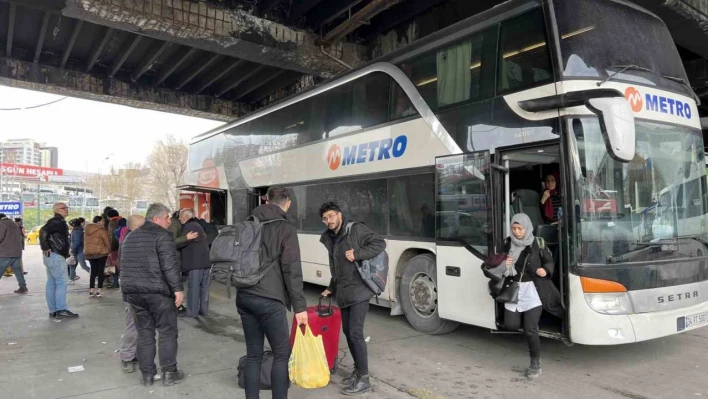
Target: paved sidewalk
[(35, 352)]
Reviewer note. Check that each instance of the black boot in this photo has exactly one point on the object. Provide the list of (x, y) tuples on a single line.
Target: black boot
[(361, 385), (351, 379), (170, 378), (127, 367), (22, 290), (147, 380), (534, 370)]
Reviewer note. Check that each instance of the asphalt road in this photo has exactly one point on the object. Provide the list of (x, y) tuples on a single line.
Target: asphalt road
[(35, 354)]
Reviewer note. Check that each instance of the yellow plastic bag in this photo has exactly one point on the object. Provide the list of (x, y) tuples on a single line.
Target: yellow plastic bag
[(308, 365)]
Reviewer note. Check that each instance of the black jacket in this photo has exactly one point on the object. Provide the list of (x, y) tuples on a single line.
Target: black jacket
[(346, 283), (148, 260), (54, 236), (279, 243), (195, 255), (536, 258)]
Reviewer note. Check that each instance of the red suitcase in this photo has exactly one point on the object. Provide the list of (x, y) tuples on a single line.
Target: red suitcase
[(327, 322)]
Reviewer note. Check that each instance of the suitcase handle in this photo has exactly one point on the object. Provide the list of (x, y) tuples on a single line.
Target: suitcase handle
[(324, 311)]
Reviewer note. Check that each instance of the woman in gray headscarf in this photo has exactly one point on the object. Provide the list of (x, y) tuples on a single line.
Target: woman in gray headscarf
[(531, 263)]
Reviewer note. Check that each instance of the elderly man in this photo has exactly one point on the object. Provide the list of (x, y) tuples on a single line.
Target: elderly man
[(195, 262), (11, 250), (129, 340), (54, 241), (152, 285)]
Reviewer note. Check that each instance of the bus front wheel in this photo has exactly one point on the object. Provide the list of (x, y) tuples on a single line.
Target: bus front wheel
[(419, 296)]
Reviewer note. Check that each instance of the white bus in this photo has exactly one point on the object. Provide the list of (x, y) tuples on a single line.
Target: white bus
[(484, 109)]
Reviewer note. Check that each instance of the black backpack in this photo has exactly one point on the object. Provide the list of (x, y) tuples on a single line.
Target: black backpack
[(374, 271), (236, 254)]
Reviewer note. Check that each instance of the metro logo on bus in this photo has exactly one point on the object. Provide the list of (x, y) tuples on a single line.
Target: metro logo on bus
[(367, 152), (634, 97), (657, 103)]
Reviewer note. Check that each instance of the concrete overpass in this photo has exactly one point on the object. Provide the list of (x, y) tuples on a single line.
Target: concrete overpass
[(219, 59)]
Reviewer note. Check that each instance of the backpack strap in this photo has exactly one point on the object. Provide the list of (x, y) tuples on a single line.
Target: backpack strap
[(541, 242)]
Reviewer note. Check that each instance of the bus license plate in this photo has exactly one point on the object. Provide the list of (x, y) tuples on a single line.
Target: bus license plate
[(696, 320)]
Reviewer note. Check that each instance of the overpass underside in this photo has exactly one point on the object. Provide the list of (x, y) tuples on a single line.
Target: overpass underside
[(220, 59)]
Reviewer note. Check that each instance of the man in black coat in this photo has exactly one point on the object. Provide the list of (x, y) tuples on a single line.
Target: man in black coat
[(353, 295), (263, 307), (195, 262), (151, 283)]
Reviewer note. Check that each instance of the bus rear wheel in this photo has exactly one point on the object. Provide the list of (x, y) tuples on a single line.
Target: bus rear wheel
[(419, 296)]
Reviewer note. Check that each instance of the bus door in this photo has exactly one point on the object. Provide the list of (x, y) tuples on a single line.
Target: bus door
[(528, 169), (465, 219)]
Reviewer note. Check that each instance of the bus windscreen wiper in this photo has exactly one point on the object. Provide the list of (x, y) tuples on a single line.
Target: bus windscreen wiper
[(622, 69), (685, 83)]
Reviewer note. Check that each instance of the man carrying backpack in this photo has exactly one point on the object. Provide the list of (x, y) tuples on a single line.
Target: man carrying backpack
[(263, 306), (353, 294)]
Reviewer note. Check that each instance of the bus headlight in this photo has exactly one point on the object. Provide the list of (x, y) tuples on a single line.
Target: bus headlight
[(614, 303)]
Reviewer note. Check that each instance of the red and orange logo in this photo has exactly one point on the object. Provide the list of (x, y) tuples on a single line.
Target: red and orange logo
[(334, 156), (634, 97)]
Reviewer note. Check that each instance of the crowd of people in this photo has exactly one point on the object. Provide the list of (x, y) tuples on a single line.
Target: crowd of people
[(154, 255)]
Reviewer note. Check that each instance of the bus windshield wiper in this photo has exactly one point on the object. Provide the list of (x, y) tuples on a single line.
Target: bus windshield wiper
[(622, 69), (685, 83)]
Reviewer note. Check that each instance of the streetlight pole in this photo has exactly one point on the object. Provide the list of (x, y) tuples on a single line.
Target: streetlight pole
[(100, 184)]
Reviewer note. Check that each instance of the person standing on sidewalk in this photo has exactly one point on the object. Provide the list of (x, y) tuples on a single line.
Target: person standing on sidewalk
[(21, 223), (54, 241), (152, 285), (97, 246), (129, 339), (195, 261), (180, 240), (353, 295), (263, 307), (77, 248), (11, 250)]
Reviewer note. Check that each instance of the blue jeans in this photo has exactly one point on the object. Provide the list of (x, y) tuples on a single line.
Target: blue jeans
[(81, 260), (15, 263), (57, 280)]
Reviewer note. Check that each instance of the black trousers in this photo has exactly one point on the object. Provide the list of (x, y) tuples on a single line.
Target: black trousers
[(264, 317), (155, 312), (353, 319), (98, 269), (512, 321)]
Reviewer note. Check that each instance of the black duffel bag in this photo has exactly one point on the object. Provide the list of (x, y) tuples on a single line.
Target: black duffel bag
[(266, 367)]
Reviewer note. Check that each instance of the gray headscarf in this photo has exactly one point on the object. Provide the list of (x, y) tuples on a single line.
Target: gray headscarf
[(519, 244)]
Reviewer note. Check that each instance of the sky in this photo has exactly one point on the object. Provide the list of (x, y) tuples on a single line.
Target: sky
[(86, 132)]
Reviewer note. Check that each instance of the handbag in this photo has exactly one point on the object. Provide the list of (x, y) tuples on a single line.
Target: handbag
[(510, 290), (266, 366)]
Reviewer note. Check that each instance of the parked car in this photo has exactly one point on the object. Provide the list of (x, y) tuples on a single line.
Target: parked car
[(33, 236)]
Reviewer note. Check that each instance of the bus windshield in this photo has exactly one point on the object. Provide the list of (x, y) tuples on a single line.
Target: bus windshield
[(626, 209), (601, 38)]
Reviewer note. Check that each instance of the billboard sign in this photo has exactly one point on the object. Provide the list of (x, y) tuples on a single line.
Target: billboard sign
[(19, 170), (11, 209)]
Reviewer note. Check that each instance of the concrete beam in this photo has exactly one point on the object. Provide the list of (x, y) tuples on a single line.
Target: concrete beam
[(31, 76), (72, 42), (10, 29), (40, 38), (212, 28), (362, 17)]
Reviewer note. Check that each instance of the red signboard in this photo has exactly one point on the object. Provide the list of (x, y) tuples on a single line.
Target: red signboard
[(12, 169)]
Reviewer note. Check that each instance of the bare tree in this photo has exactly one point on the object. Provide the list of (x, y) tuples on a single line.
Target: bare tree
[(168, 165)]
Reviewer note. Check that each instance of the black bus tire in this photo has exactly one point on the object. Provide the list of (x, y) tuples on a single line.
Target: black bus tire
[(418, 296)]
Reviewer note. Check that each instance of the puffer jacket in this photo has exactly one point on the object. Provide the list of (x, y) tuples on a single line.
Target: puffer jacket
[(346, 283), (148, 259), (10, 239), (96, 241), (54, 236)]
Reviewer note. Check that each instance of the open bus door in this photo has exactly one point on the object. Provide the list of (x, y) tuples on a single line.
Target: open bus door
[(208, 203), (467, 186)]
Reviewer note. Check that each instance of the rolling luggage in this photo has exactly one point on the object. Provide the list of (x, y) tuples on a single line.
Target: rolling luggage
[(327, 322)]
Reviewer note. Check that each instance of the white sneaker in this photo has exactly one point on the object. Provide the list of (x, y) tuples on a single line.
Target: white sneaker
[(71, 282)]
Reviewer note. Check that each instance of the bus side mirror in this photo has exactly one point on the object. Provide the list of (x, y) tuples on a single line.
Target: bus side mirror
[(617, 125)]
